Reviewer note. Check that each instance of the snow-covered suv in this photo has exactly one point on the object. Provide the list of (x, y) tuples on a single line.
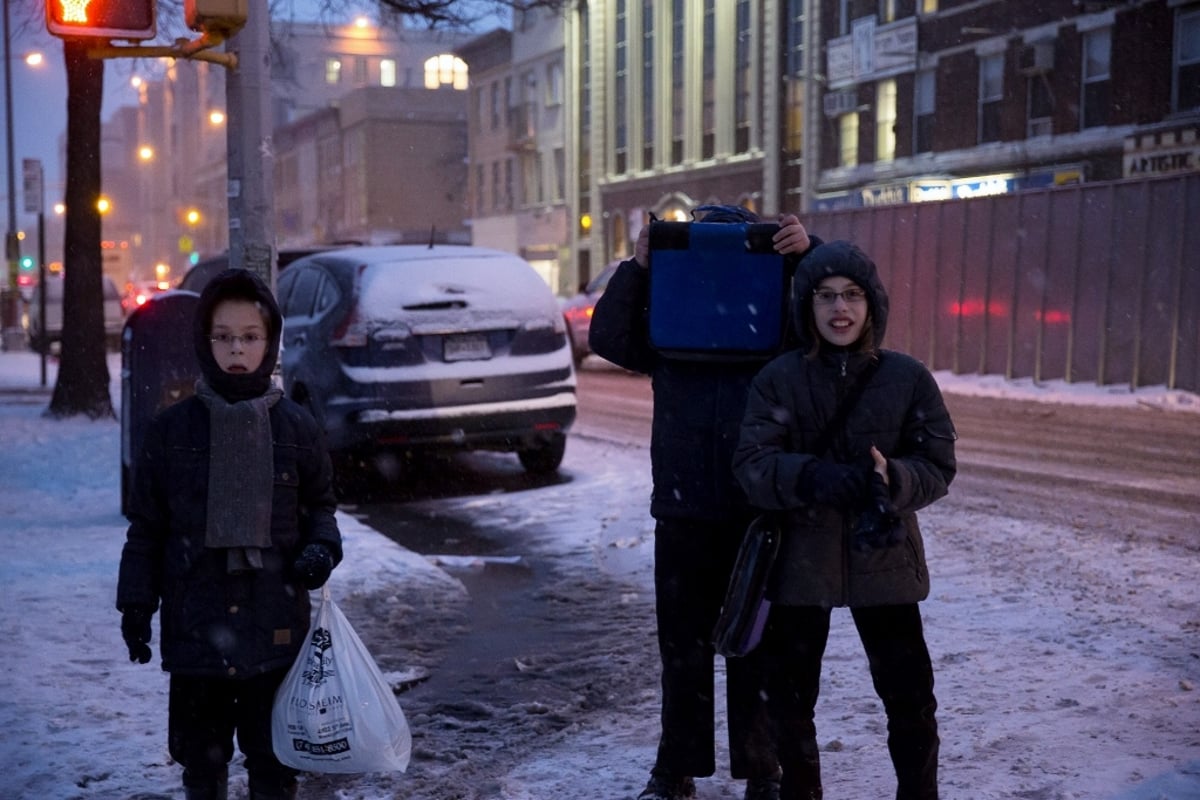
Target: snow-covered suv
[(411, 347)]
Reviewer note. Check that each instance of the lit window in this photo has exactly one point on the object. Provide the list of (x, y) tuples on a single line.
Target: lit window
[(929, 6), (387, 72), (333, 71), (445, 70), (848, 140), (885, 120)]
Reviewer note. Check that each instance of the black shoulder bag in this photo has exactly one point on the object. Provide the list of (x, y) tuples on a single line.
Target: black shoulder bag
[(746, 608)]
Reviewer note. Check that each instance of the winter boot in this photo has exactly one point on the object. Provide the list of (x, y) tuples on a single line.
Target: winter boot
[(762, 789), (664, 785), (208, 787), (288, 792)]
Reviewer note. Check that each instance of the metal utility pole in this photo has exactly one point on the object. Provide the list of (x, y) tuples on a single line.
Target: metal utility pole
[(251, 156), (10, 332)]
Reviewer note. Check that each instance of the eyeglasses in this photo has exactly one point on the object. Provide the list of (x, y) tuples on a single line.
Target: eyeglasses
[(227, 339), (827, 297)]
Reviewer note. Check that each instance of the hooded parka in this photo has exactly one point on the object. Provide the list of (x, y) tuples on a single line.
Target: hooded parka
[(214, 621), (900, 411)]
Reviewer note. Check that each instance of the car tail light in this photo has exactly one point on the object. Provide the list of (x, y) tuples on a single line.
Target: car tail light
[(352, 331)]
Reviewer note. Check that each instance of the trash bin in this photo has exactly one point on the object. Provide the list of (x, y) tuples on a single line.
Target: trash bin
[(158, 368)]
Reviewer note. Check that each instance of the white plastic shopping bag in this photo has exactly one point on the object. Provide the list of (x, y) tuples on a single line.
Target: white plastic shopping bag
[(334, 712)]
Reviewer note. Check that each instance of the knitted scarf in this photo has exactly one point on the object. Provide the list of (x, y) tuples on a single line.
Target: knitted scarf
[(241, 476)]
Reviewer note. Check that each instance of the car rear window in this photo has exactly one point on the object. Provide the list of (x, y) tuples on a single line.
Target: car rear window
[(488, 283)]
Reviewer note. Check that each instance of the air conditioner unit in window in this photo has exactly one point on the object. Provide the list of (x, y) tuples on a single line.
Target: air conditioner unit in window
[(840, 102), (1036, 58)]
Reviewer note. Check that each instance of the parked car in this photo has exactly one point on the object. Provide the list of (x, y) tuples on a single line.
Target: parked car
[(43, 338), (412, 348), (577, 310)]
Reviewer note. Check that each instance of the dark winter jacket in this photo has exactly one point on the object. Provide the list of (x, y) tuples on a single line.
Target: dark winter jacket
[(698, 405), (900, 411), (214, 622)]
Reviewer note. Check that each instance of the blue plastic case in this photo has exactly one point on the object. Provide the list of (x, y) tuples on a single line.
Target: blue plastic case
[(718, 290)]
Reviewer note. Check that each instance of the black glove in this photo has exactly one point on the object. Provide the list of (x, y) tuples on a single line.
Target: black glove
[(830, 484), (879, 525), (314, 565), (135, 630)]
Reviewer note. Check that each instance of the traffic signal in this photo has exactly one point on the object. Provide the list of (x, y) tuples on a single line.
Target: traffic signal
[(101, 19), (25, 271)]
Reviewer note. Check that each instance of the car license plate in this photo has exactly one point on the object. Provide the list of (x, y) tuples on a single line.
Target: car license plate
[(466, 347)]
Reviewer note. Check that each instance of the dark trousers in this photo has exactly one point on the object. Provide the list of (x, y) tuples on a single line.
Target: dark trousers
[(692, 563), (794, 643), (204, 714)]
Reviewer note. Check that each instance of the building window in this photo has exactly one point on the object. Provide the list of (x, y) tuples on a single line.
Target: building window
[(479, 175), (387, 72), (924, 106), (1187, 61), (333, 71), (621, 88), (885, 120), (887, 11), (843, 17), (495, 98), (848, 140), (708, 82), (554, 84), (678, 84), (360, 71), (1041, 107), (445, 70), (495, 185), (743, 79), (794, 67), (648, 76), (560, 174), (528, 165), (991, 96), (929, 6), (1097, 55), (510, 194)]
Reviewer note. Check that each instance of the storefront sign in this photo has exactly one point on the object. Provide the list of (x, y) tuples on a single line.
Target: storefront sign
[(1162, 161)]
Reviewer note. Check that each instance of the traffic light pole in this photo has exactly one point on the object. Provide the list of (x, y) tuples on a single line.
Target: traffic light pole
[(42, 284), (9, 330), (250, 154)]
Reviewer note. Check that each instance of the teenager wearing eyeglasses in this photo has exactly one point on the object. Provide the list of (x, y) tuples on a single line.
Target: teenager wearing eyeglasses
[(231, 524), (845, 442)]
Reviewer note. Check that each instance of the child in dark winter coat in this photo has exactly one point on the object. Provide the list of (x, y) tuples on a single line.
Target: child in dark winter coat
[(845, 441), (231, 524)]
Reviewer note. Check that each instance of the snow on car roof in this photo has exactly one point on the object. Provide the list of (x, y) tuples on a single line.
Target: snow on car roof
[(450, 279)]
